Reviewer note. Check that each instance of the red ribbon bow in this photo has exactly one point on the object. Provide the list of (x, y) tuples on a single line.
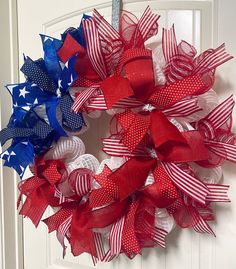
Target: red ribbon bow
[(116, 187), (170, 144), (40, 189)]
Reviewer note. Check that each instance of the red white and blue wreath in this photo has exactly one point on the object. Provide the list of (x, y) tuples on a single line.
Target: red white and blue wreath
[(168, 136)]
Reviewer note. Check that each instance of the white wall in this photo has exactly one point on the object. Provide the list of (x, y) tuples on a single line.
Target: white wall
[(226, 85)]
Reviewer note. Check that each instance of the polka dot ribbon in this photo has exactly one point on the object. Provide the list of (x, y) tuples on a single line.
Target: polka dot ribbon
[(35, 73), (40, 189)]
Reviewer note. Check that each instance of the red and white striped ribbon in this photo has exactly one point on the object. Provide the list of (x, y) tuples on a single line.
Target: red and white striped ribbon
[(99, 247), (83, 97), (82, 184), (98, 102), (62, 198), (222, 149), (169, 43), (93, 47), (183, 108), (114, 147), (211, 60), (218, 193), (219, 116), (147, 25), (128, 102), (61, 232), (180, 66), (105, 29), (115, 240), (190, 185), (59, 195), (201, 226), (113, 47), (160, 236)]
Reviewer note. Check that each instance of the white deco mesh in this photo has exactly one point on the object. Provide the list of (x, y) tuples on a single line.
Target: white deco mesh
[(113, 163), (207, 102), (69, 148), (164, 220), (84, 161), (208, 175)]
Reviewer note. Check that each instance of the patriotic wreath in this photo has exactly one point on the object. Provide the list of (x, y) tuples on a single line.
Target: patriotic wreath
[(168, 136)]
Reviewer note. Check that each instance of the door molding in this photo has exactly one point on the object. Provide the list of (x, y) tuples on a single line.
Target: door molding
[(11, 243), (75, 13)]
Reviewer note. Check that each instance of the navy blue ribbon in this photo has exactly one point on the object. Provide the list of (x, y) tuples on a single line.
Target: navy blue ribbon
[(36, 74), (47, 85), (41, 130), (71, 121)]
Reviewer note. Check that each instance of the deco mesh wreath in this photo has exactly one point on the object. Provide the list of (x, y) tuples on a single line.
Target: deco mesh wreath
[(168, 136)]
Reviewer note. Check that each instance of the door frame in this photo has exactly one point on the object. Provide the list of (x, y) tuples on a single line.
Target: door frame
[(11, 236), (11, 233)]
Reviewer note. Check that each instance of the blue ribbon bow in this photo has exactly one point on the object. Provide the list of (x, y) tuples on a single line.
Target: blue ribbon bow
[(46, 90)]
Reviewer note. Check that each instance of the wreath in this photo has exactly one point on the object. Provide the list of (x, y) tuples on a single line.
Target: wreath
[(168, 136)]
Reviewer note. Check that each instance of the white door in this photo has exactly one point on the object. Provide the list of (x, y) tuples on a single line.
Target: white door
[(203, 23)]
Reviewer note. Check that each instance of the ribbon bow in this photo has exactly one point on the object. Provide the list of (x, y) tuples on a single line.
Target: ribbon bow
[(31, 136), (138, 224), (41, 106), (56, 96), (181, 61), (186, 75), (216, 130), (106, 55), (170, 144), (40, 189), (75, 221)]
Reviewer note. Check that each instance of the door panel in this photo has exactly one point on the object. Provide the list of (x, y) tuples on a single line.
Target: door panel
[(193, 22)]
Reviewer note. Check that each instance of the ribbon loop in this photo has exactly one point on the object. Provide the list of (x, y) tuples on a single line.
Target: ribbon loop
[(35, 73)]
